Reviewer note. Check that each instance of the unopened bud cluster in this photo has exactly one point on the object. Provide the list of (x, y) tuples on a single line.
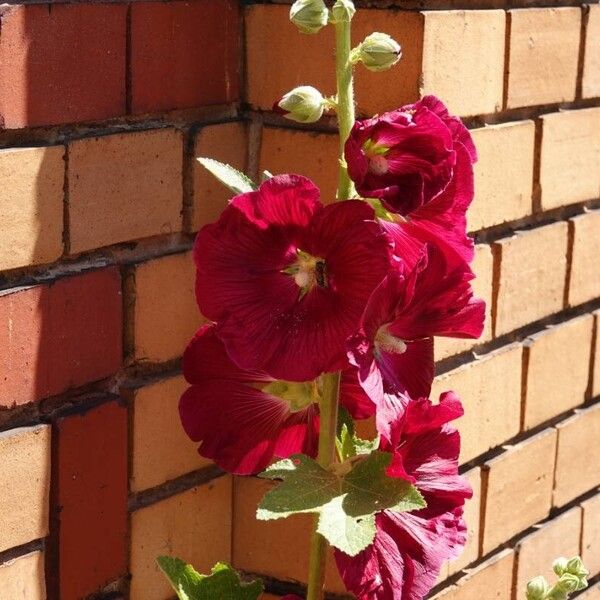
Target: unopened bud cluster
[(572, 577)]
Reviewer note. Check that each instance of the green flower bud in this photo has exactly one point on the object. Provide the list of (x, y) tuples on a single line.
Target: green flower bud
[(559, 566), (575, 566), (537, 588), (568, 583), (303, 104), (379, 52), (309, 15), (342, 11)]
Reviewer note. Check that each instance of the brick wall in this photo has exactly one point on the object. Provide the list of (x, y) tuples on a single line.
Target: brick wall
[(104, 106)]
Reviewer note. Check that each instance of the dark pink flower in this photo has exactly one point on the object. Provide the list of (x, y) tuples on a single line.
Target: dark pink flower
[(286, 278), (409, 549), (243, 419), (394, 347)]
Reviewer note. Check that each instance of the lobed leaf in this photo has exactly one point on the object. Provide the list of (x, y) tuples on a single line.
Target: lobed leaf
[(235, 180)]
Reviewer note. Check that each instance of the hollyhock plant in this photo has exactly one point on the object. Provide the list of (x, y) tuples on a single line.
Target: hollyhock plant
[(394, 347), (244, 419), (286, 278), (410, 547)]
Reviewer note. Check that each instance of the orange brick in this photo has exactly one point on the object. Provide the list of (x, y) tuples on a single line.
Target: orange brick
[(24, 485), (593, 593), (492, 579), (590, 86), (124, 187), (313, 155), (23, 578), (465, 46), (161, 449), (31, 206), (472, 518), (577, 459), (308, 59), (521, 476), (539, 256), (544, 52), (585, 266), (596, 365), (194, 526), (490, 388), (482, 285), (503, 174), (570, 154), (283, 551), (555, 385), (165, 314), (226, 142), (590, 535), (537, 551)]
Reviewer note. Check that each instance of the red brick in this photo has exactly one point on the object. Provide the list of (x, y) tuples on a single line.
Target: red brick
[(596, 354), (23, 578), (184, 54), (228, 143), (115, 180), (590, 534), (540, 256), (577, 462), (24, 485), (522, 476), (591, 65), (585, 266), (59, 336), (544, 52), (61, 65), (31, 205), (90, 499)]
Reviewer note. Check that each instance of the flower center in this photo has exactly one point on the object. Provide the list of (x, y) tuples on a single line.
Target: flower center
[(387, 342), (378, 165), (308, 271), (297, 395)]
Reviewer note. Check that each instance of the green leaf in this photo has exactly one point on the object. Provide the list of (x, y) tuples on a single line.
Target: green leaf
[(222, 584), (236, 181), (346, 498), (347, 443)]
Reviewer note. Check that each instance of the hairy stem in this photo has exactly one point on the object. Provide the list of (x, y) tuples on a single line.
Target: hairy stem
[(327, 433)]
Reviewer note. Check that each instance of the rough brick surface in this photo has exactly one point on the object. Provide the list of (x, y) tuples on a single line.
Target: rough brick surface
[(165, 313), (553, 384), (55, 337), (576, 437), (313, 155), (585, 266), (225, 142), (595, 390), (537, 551), (194, 526), (306, 59), (24, 485), (284, 544), (128, 175), (590, 86), (593, 593), (524, 472), (90, 499), (570, 155), (482, 285), (184, 54), (544, 52), (465, 46), (160, 448), (590, 534), (538, 255), (23, 578), (503, 174), (62, 65), (490, 389), (31, 206)]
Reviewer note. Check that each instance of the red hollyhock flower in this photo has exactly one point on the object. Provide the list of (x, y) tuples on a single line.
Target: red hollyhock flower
[(286, 278), (243, 418), (409, 549), (418, 162), (394, 347)]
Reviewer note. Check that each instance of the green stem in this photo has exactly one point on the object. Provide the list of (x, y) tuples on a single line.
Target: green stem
[(328, 410), (345, 98)]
